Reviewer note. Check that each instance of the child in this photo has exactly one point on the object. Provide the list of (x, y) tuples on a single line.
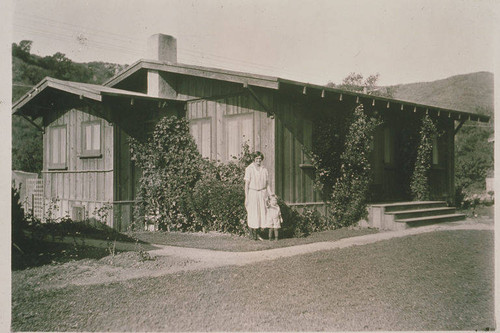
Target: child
[(273, 217)]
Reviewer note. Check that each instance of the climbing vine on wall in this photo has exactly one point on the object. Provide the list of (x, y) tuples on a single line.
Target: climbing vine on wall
[(419, 183), (329, 134), (349, 195), (170, 164)]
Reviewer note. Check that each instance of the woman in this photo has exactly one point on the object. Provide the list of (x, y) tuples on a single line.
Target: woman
[(256, 190)]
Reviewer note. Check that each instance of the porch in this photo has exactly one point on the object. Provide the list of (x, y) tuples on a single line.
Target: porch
[(404, 215), (396, 215)]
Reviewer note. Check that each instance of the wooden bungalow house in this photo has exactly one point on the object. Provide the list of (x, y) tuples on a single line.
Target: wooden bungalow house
[(86, 155)]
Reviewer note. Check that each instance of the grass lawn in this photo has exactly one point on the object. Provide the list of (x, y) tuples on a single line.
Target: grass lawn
[(226, 242), (433, 281)]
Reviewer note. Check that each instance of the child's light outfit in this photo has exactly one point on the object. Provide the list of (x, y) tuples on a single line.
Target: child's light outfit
[(273, 217)]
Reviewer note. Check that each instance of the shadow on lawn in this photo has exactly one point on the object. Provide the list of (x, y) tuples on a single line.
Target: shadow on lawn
[(38, 244), (38, 253)]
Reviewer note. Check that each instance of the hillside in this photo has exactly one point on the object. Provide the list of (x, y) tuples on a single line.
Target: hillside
[(29, 69), (468, 92)]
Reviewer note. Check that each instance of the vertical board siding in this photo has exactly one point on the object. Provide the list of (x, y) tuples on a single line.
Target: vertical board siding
[(213, 141), (293, 134), (71, 186), (278, 152), (237, 117), (60, 186), (309, 174), (288, 143), (195, 87)]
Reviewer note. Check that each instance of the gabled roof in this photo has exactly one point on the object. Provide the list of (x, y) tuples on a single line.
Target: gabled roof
[(87, 90), (277, 83), (199, 71)]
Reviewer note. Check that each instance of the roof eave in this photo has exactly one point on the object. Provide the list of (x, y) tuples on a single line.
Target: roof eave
[(48, 82), (468, 115), (81, 91)]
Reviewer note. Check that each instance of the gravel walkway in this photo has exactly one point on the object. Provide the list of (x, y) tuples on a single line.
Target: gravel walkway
[(222, 258)]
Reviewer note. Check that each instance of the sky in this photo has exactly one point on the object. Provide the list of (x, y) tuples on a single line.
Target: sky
[(310, 41)]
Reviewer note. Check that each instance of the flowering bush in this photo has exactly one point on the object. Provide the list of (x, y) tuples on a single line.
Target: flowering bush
[(477, 199), (349, 196)]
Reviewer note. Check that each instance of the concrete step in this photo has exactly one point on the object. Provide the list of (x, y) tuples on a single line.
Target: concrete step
[(414, 221), (410, 205), (406, 214)]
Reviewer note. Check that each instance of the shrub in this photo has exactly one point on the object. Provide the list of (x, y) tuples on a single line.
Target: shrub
[(315, 221), (219, 196), (17, 218), (219, 206), (292, 225), (349, 197), (296, 224), (419, 183)]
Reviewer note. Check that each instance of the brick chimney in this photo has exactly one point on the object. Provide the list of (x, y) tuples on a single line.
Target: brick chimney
[(162, 48)]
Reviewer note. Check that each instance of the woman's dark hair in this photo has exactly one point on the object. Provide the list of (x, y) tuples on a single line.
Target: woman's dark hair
[(258, 153)]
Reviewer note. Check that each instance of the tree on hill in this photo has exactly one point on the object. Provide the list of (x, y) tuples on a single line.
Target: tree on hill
[(29, 69), (356, 82), (473, 157)]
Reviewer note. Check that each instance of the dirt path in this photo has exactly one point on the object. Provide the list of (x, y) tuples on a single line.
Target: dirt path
[(172, 259)]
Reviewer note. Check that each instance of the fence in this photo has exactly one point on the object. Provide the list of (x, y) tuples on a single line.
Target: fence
[(34, 202)]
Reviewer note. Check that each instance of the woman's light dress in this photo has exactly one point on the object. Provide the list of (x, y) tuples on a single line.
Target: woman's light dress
[(257, 194)]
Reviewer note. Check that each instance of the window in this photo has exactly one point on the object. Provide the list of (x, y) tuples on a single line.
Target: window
[(91, 139), (239, 130), (57, 147), (201, 130)]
